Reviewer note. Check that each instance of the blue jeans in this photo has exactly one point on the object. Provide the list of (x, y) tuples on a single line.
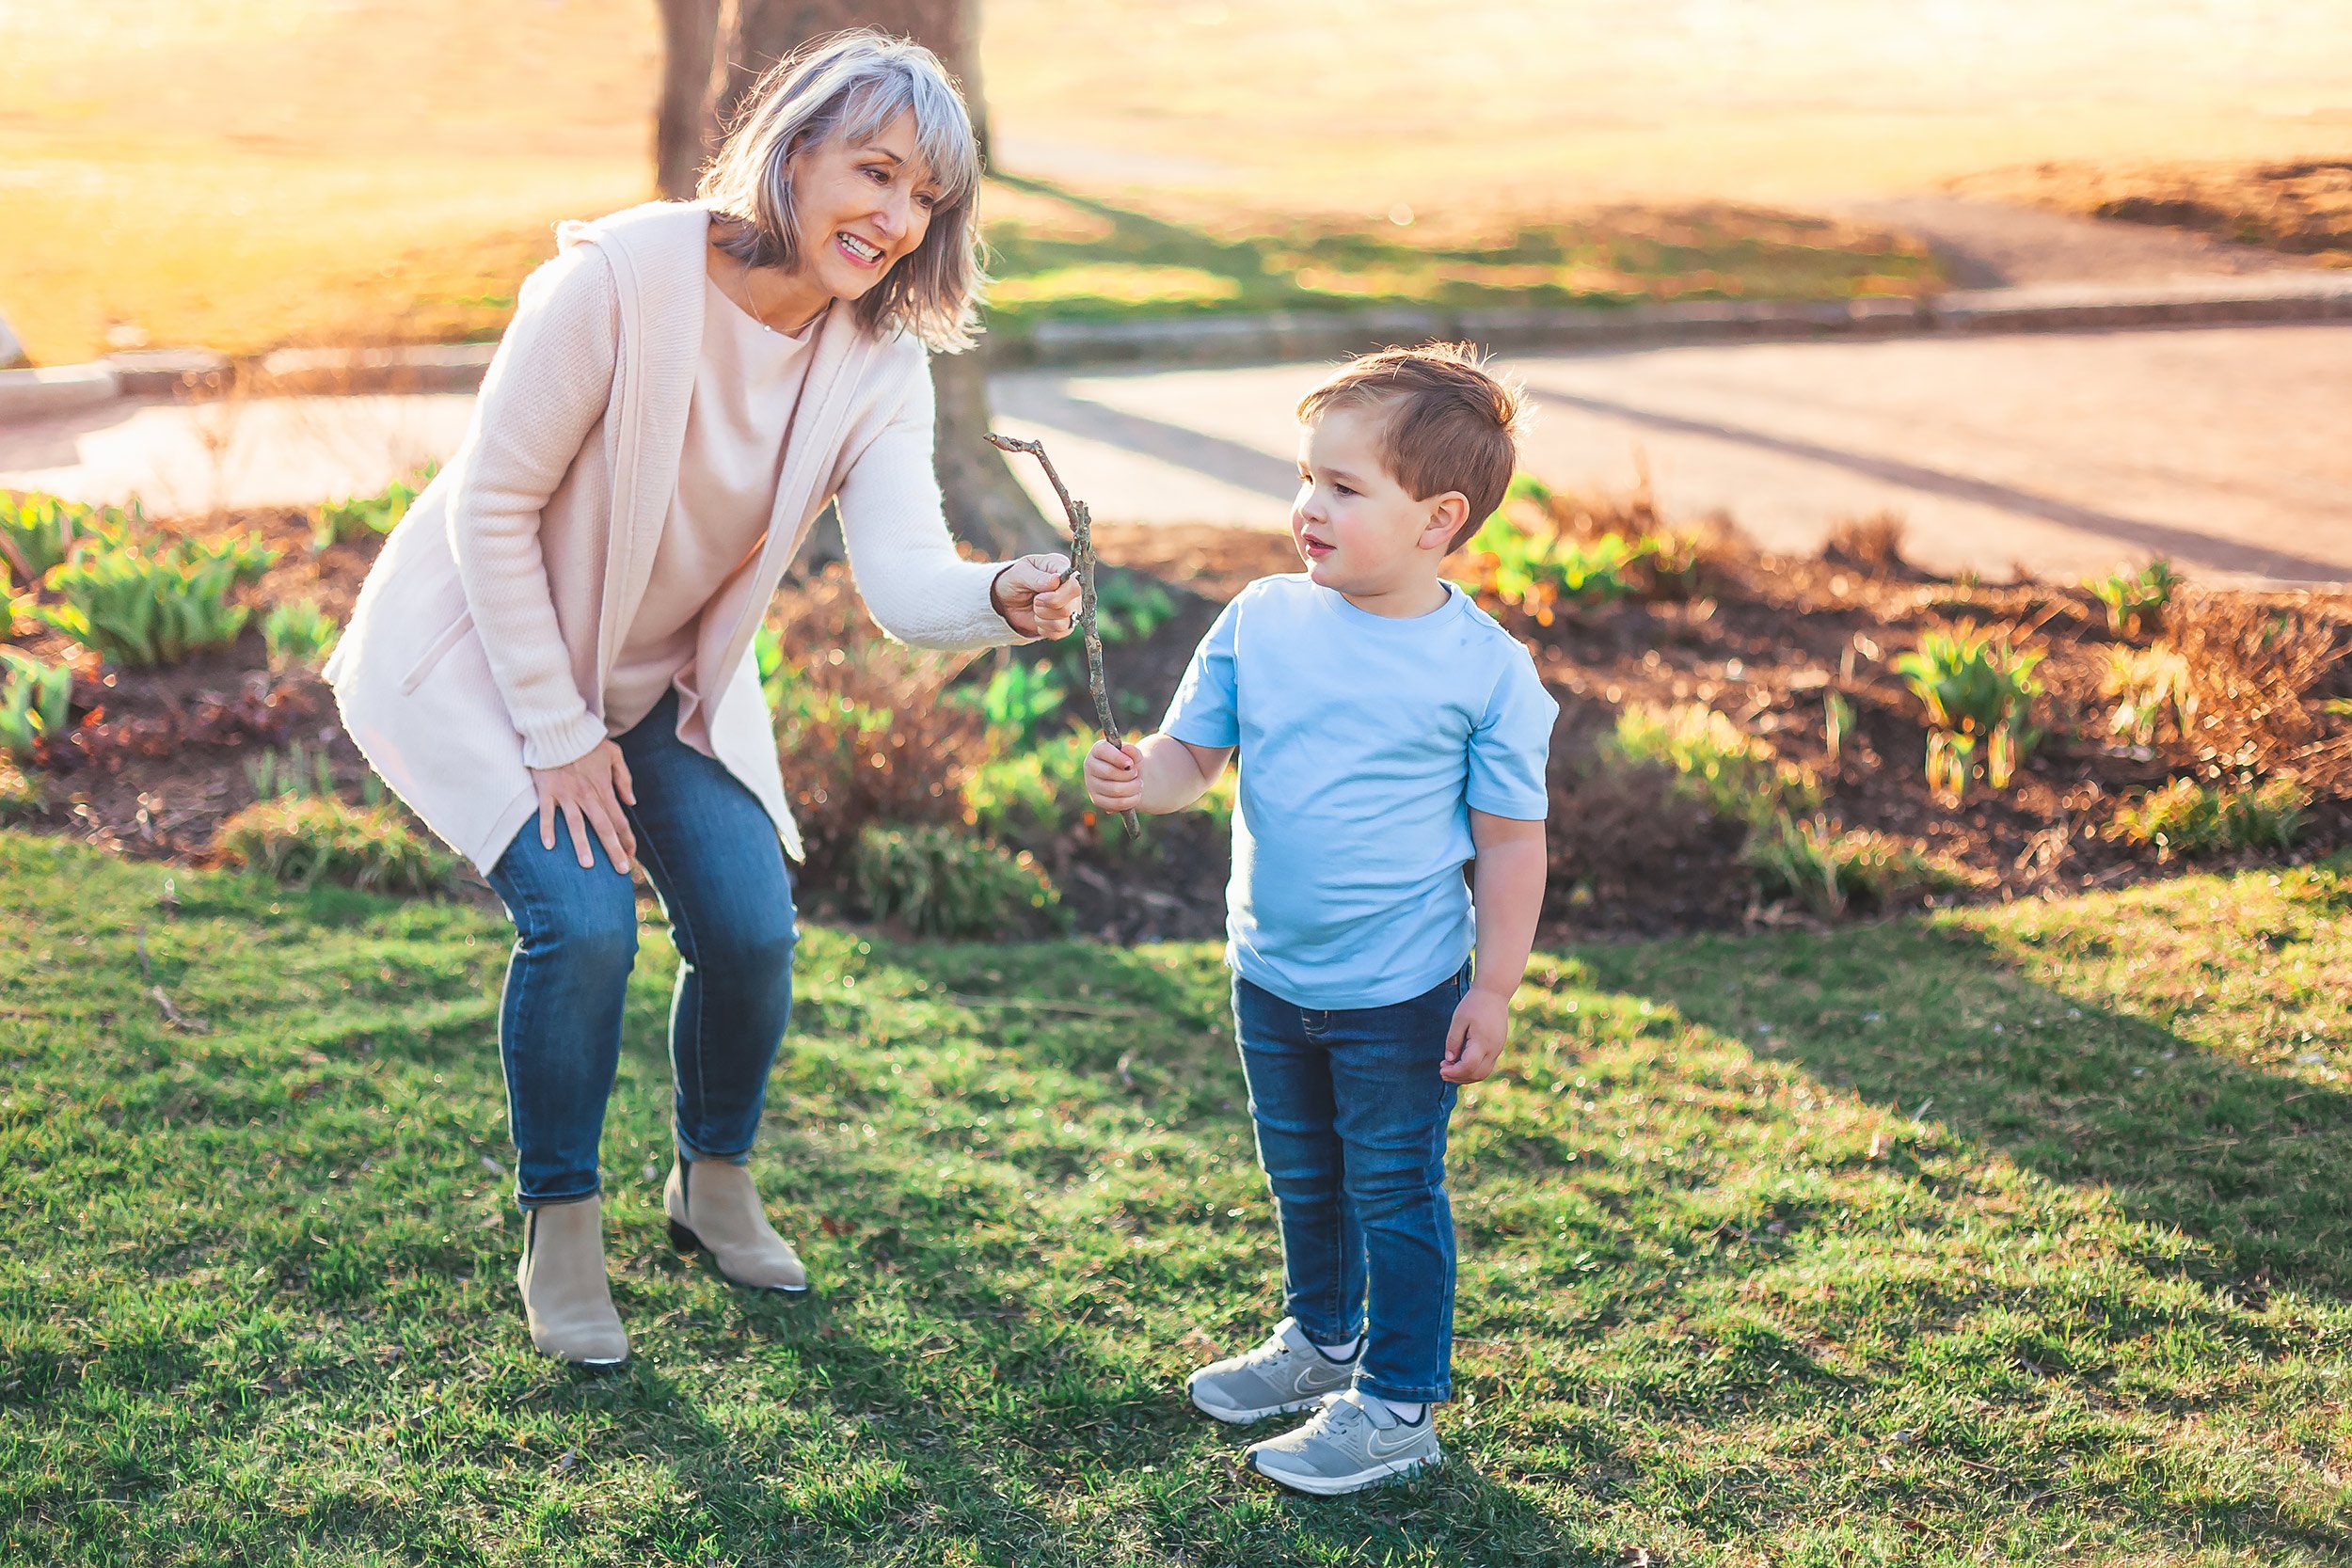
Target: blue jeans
[(1351, 1118), (711, 853)]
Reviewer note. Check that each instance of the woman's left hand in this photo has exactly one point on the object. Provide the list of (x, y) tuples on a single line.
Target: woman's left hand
[(1032, 597)]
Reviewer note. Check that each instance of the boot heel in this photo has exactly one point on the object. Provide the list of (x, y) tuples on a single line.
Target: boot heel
[(683, 1239)]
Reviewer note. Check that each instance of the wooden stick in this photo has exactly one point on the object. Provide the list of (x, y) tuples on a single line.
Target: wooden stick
[(1082, 562)]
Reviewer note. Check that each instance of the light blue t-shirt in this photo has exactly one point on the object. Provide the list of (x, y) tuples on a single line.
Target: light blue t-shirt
[(1365, 743)]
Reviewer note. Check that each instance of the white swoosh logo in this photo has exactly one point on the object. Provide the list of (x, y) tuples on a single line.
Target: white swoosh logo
[(1382, 1451)]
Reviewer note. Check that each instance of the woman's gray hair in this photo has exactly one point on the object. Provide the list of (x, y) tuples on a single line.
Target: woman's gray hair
[(849, 86)]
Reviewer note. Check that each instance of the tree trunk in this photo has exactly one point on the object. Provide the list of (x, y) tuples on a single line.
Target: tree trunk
[(690, 34), (986, 505)]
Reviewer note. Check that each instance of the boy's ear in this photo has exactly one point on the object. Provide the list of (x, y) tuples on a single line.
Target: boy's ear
[(1448, 513)]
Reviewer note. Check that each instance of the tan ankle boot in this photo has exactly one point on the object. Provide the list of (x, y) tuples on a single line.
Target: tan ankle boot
[(713, 1205), (565, 1295)]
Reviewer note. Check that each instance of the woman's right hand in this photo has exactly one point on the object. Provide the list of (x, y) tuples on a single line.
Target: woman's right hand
[(589, 791)]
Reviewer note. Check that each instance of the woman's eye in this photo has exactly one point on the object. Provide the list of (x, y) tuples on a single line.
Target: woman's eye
[(878, 174), (929, 201)]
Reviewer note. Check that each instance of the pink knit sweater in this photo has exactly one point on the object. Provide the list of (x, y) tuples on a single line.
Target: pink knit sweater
[(481, 640)]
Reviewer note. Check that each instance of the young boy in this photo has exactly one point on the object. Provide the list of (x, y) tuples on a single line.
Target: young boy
[(1389, 732)]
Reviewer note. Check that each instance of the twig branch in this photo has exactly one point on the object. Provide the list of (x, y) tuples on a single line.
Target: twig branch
[(1082, 562)]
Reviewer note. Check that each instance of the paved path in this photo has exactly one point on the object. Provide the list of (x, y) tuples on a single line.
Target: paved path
[(1989, 245), (2221, 448)]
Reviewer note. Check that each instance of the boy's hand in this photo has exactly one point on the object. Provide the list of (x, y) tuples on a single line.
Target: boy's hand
[(1474, 1042), (1114, 776)]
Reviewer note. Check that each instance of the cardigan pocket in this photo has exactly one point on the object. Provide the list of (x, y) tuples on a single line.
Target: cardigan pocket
[(436, 651)]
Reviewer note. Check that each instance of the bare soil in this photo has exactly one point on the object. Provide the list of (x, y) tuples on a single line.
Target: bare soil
[(160, 757)]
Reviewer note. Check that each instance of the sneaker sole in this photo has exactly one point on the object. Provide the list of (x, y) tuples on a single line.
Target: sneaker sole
[(1333, 1486), (686, 1241), (1231, 1416)]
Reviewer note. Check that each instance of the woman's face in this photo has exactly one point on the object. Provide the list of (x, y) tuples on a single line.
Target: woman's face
[(861, 206)]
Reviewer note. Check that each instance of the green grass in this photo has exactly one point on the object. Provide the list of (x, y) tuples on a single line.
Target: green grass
[(2012, 1235), (1060, 253)]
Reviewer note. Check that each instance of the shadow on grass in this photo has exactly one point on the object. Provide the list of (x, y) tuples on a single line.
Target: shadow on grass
[(1007, 1486), (988, 1372), (1916, 1015), (1607, 258)]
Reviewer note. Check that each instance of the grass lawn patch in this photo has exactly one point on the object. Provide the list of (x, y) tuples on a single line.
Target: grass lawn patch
[(1059, 253), (243, 173), (2012, 1235)]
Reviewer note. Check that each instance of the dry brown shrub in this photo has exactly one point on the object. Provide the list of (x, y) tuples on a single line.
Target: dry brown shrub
[(2299, 206), (1873, 544), (864, 727), (2256, 672)]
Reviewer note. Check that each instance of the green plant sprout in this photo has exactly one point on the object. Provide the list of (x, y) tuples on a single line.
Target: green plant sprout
[(1978, 691), (299, 634), (339, 522), (1837, 723), (1532, 570), (139, 609), (2136, 604), (2188, 818), (38, 532), (2151, 685), (1021, 697), (35, 702), (1734, 775)]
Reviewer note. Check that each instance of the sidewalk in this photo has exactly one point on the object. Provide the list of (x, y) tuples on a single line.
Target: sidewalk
[(2032, 418), (2221, 449)]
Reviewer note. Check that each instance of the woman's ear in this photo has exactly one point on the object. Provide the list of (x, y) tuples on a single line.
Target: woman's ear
[(1448, 513)]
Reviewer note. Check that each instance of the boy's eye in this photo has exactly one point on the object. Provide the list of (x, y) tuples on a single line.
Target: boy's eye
[(1342, 489)]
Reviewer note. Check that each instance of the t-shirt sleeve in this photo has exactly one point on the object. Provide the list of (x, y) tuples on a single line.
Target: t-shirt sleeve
[(1511, 745), (1205, 709)]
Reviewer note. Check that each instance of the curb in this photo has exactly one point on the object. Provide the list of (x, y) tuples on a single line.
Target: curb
[(425, 368), (1300, 335), (1282, 335), (29, 394)]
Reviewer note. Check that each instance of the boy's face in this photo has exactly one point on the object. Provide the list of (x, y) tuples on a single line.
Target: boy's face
[(1358, 531)]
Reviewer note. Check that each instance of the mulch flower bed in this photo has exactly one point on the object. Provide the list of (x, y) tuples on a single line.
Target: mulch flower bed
[(159, 758)]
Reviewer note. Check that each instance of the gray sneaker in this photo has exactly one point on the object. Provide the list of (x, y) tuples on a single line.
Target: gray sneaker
[(1285, 1374), (1343, 1449)]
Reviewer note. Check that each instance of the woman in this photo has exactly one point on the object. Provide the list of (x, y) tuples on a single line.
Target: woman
[(549, 661)]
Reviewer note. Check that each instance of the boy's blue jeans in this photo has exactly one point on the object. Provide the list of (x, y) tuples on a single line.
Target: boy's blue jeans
[(711, 853), (1351, 1118)]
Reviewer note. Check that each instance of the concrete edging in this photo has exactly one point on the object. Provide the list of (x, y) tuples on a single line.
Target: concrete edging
[(29, 394), (1177, 340), (1240, 340)]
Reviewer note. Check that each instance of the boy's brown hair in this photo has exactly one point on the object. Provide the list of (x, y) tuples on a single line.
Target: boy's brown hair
[(1452, 424)]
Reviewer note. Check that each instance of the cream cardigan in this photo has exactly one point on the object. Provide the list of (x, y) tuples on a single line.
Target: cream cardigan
[(481, 641)]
